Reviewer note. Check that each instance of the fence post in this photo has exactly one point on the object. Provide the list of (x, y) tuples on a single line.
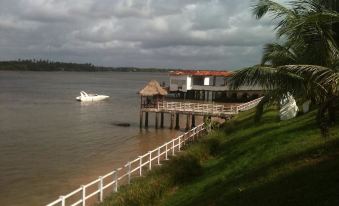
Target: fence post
[(115, 186), (83, 195), (166, 156), (173, 147), (100, 185), (129, 172), (194, 133), (62, 198), (140, 166), (158, 155), (179, 142), (150, 160)]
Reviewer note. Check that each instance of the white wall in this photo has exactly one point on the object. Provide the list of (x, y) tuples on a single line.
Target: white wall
[(189, 83), (207, 81), (179, 83)]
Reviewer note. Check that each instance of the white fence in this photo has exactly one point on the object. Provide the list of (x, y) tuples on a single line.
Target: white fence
[(208, 109), (248, 105), (196, 107), (111, 181)]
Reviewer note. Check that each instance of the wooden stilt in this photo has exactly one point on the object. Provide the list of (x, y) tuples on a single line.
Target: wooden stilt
[(146, 119), (188, 122), (193, 121), (172, 121), (162, 120), (141, 118), (177, 126), (156, 120)]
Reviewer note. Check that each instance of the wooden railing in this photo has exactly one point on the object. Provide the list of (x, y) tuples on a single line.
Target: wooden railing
[(196, 107), (214, 109), (110, 182), (249, 105)]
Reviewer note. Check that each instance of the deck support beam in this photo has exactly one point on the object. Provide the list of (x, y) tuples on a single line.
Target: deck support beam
[(177, 126), (141, 118), (172, 121), (161, 120), (146, 119), (188, 122), (157, 120), (193, 121)]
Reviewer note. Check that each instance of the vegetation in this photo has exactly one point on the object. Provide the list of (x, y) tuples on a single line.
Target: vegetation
[(45, 65), (306, 64), (271, 162), (181, 169)]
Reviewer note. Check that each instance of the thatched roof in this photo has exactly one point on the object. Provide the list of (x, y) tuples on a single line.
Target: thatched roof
[(153, 88)]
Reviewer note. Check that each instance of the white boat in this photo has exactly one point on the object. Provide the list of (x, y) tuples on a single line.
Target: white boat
[(84, 97)]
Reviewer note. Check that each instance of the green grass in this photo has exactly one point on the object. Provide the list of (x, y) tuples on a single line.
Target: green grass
[(245, 163)]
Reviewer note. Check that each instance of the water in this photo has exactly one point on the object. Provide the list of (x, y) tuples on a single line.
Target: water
[(50, 143)]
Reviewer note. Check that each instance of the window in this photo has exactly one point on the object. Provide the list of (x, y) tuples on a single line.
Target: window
[(198, 80), (178, 82)]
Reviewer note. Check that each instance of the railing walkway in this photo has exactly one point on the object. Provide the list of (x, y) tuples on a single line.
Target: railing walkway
[(110, 182), (203, 108)]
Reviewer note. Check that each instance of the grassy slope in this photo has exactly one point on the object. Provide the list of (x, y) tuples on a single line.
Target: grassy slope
[(268, 163)]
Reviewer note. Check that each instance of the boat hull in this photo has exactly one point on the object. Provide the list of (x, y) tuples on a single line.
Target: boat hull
[(92, 98)]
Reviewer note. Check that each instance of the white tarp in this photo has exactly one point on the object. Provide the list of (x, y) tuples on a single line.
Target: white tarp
[(289, 108), (306, 106)]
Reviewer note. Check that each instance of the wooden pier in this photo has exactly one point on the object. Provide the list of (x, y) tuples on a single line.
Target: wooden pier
[(191, 110), (152, 98)]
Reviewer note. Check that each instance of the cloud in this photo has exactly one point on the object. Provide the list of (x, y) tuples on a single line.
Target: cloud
[(220, 34)]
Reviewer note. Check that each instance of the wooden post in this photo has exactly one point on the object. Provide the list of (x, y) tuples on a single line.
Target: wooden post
[(101, 190), (162, 120), (146, 119), (129, 172), (115, 177), (193, 120), (156, 120), (150, 160), (140, 166), (172, 121), (188, 121), (177, 126), (63, 202), (141, 118), (83, 198)]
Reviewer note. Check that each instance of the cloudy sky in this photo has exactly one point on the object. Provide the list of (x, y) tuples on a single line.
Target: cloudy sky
[(200, 34)]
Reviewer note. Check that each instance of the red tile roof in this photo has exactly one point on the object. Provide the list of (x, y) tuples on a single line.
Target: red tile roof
[(201, 73)]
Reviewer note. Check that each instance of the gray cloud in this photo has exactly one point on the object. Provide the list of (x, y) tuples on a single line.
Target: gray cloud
[(219, 34)]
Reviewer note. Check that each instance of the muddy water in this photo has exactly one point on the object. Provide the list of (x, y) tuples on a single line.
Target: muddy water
[(50, 143)]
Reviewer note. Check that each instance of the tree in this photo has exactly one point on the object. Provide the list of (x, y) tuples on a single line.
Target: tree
[(306, 63)]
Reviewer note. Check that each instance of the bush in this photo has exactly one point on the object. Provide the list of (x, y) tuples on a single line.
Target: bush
[(183, 168), (206, 148), (145, 191)]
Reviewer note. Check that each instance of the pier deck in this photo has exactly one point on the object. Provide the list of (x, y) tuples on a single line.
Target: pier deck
[(203, 109)]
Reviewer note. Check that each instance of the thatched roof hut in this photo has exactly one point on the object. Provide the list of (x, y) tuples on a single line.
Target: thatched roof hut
[(153, 88)]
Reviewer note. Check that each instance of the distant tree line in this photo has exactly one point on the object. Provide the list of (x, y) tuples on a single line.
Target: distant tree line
[(46, 65)]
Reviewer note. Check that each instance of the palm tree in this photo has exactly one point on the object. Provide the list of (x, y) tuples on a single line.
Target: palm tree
[(305, 64)]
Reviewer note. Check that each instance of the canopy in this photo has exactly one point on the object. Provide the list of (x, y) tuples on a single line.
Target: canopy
[(153, 88)]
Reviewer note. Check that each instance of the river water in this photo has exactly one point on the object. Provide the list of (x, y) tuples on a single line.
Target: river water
[(50, 143)]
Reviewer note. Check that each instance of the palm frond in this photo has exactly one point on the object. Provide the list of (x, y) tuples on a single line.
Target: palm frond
[(278, 55), (323, 79), (265, 6), (252, 76)]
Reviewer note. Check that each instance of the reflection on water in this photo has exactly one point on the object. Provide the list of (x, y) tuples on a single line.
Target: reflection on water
[(50, 143)]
